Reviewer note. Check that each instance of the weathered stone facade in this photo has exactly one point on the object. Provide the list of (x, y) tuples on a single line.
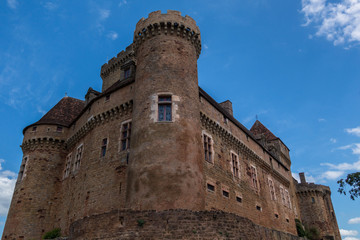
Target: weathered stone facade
[(153, 141)]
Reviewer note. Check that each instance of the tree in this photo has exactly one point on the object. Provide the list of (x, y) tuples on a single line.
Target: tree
[(353, 180)]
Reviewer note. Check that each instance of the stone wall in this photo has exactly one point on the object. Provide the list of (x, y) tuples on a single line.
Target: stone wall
[(172, 224)]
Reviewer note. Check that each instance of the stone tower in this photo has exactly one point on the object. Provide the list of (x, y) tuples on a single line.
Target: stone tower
[(35, 201), (316, 208), (166, 171)]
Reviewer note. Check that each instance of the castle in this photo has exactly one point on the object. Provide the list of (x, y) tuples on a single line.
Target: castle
[(153, 156)]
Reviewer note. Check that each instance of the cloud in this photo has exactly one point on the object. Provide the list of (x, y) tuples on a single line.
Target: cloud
[(344, 232), (355, 147), (321, 120), (308, 177), (12, 4), (331, 175), (355, 131), (351, 238), (50, 6), (122, 3), (333, 140), (354, 220), (112, 35), (7, 185), (337, 22), (104, 14), (206, 47), (344, 166)]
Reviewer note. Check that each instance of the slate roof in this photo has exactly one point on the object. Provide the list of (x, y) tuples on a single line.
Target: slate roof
[(63, 113), (258, 128)]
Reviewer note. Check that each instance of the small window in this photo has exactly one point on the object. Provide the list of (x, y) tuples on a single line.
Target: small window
[(287, 199), (238, 199), (276, 215), (225, 193), (164, 110), (282, 195), (127, 73), (103, 147), (34, 128), (125, 136), (312, 200), (258, 208), (59, 128), (107, 97), (272, 189), (235, 165), (287, 220), (208, 148), (210, 187), (253, 176), (67, 165), (79, 152), (22, 168)]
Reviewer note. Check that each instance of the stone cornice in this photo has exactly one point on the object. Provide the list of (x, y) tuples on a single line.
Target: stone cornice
[(99, 119), (237, 144), (43, 142)]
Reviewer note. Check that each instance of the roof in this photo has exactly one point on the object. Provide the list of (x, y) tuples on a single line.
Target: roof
[(259, 128), (63, 113)]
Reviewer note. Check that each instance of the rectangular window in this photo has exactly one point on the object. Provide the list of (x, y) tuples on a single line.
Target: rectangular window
[(208, 148), (67, 165), (272, 189), (103, 147), (125, 136), (225, 193), (107, 97), (312, 200), (253, 176), (287, 198), (59, 128), (282, 195), (79, 152), (239, 199), (164, 110), (127, 73), (210, 187), (34, 128), (258, 208), (235, 165)]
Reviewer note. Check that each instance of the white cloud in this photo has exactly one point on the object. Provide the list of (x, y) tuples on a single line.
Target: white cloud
[(50, 6), (308, 177), (206, 47), (112, 35), (7, 184), (104, 14), (338, 22), (123, 2), (331, 175), (333, 140), (351, 238), (12, 4), (344, 232), (321, 120), (355, 147), (354, 220), (355, 131), (344, 166)]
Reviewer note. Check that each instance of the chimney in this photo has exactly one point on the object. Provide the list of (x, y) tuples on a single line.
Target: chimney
[(302, 177), (227, 105)]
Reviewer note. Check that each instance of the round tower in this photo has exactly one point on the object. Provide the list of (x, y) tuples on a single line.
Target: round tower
[(165, 169)]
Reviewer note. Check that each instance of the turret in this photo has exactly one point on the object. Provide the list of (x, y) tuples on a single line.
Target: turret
[(165, 169), (35, 201)]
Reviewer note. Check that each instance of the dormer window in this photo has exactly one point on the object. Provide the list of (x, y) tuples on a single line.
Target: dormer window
[(34, 128), (127, 73), (59, 128)]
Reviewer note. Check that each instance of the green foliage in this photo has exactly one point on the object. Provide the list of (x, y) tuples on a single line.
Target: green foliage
[(300, 228), (56, 232), (140, 222), (353, 180)]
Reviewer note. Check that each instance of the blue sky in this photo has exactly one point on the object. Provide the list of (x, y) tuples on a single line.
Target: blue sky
[(294, 64)]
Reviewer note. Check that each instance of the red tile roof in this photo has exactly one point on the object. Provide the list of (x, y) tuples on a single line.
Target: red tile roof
[(63, 113), (259, 128)]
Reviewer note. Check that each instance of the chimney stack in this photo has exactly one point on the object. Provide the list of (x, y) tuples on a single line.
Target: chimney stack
[(302, 177)]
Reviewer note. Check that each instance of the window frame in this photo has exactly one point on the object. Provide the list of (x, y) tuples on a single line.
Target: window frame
[(164, 104), (78, 156), (127, 139), (22, 171), (254, 184), (104, 146), (208, 147), (272, 189), (234, 157), (68, 163)]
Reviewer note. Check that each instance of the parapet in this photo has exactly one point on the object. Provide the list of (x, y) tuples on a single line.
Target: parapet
[(117, 61), (168, 23)]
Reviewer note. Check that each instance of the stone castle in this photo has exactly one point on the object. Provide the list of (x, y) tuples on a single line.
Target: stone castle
[(153, 156)]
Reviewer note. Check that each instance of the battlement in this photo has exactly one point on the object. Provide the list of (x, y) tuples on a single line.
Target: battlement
[(117, 61), (312, 187), (167, 23)]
